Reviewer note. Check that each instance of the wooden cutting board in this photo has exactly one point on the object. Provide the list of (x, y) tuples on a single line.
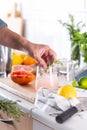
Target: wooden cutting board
[(26, 92)]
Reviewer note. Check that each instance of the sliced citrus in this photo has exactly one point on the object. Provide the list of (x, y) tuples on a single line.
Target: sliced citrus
[(67, 91), (22, 67), (22, 77)]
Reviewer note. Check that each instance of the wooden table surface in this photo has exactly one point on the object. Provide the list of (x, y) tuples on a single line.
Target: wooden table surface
[(24, 91)]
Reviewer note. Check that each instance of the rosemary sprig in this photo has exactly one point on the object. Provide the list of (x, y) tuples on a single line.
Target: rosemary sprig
[(11, 109), (58, 62), (43, 70)]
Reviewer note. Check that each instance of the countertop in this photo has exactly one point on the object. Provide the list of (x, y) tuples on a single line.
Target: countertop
[(27, 94)]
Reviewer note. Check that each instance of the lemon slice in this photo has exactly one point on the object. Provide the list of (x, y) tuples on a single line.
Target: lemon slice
[(67, 91)]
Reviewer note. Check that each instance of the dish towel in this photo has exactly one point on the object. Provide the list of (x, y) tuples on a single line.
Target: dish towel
[(51, 103)]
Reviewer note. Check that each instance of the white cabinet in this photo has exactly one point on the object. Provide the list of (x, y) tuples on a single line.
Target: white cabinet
[(39, 126)]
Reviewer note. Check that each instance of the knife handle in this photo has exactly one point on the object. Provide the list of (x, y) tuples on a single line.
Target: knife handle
[(66, 114)]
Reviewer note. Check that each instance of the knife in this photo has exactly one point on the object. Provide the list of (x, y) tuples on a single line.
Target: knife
[(82, 106), (8, 121)]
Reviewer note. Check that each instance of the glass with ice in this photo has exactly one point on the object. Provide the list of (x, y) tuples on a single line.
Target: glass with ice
[(46, 78)]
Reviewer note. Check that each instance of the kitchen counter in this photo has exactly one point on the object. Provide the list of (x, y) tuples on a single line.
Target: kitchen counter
[(26, 92), (41, 121), (78, 120)]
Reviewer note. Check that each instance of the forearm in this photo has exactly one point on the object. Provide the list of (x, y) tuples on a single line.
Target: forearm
[(13, 40)]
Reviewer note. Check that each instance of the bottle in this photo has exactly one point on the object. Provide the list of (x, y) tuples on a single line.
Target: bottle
[(8, 61), (2, 62)]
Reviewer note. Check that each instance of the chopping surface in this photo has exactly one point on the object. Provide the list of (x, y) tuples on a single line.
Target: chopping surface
[(24, 91)]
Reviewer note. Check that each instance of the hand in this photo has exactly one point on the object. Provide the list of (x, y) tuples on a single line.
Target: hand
[(43, 54)]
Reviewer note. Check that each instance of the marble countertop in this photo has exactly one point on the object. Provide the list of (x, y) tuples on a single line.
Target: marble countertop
[(26, 103)]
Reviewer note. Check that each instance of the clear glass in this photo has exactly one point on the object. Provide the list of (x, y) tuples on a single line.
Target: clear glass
[(2, 62), (46, 78), (66, 72)]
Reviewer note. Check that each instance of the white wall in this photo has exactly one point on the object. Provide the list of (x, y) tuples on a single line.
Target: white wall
[(41, 18)]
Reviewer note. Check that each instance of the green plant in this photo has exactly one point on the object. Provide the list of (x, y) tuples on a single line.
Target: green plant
[(11, 109), (81, 39), (74, 31), (43, 70)]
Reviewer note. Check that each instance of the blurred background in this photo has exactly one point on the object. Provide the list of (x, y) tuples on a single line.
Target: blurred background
[(37, 20)]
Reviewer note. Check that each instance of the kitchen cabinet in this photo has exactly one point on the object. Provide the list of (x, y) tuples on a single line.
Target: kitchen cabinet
[(37, 125)]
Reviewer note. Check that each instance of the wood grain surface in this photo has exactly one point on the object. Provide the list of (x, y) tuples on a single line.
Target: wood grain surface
[(24, 91)]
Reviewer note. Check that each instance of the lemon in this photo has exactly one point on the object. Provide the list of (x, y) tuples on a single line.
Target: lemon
[(16, 59), (83, 82), (67, 91), (22, 55)]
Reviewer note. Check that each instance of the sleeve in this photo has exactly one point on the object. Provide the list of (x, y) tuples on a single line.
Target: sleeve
[(2, 23)]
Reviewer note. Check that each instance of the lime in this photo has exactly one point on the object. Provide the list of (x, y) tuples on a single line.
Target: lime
[(83, 82), (67, 91)]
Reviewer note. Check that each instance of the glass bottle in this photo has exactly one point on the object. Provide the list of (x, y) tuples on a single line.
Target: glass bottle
[(8, 60), (2, 62)]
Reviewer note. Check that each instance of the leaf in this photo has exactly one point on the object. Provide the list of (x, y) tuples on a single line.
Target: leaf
[(43, 70), (11, 109)]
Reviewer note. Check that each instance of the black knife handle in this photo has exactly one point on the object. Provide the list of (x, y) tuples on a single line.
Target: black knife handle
[(66, 114)]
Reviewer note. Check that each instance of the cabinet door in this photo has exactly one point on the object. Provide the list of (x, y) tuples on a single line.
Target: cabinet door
[(25, 123)]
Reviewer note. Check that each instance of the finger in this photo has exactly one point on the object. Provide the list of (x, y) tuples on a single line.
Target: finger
[(42, 62), (52, 54)]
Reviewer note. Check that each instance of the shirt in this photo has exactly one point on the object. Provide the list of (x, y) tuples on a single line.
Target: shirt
[(2, 23)]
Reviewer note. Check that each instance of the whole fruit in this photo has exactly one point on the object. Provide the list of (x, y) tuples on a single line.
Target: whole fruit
[(83, 82), (28, 60)]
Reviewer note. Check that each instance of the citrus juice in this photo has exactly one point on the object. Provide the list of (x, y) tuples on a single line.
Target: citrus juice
[(46, 81)]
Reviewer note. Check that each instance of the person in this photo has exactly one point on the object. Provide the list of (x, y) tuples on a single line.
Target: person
[(41, 52)]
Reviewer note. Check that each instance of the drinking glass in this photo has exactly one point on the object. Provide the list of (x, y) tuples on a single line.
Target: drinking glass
[(46, 78), (2, 62), (66, 72)]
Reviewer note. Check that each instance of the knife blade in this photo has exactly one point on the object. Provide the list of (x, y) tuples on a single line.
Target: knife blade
[(8, 121), (82, 106)]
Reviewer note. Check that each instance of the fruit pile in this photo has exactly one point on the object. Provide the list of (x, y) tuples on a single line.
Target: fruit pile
[(23, 69), (22, 59)]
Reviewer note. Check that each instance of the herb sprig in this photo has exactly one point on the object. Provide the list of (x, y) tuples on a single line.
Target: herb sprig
[(50, 64), (11, 109)]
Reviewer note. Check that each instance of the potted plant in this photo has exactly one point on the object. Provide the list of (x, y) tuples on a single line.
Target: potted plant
[(81, 39), (74, 31)]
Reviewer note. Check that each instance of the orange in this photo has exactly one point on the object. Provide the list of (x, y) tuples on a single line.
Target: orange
[(29, 60), (22, 77)]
